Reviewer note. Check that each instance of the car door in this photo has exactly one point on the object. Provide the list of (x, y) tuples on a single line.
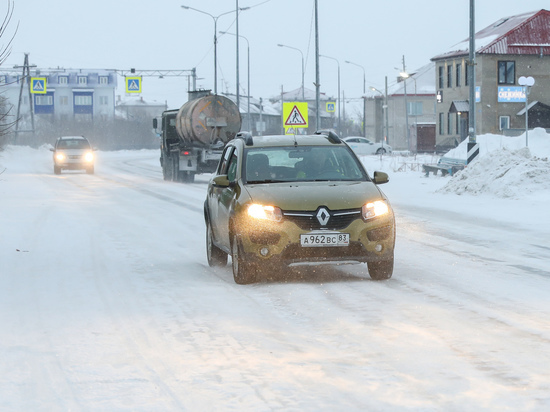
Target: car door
[(226, 199), (367, 147), (214, 193)]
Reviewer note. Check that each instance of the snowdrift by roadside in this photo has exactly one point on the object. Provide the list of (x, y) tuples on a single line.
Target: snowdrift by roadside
[(505, 167)]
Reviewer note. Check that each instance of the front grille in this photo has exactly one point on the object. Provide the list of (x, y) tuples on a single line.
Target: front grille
[(338, 219), (74, 157)]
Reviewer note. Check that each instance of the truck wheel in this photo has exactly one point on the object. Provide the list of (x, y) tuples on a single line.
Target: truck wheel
[(214, 255), (381, 270), (243, 272), (90, 170), (57, 170)]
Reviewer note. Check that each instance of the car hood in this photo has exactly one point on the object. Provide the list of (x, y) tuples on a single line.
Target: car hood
[(310, 195)]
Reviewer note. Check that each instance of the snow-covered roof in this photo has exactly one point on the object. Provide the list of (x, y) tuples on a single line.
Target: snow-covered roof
[(508, 35)]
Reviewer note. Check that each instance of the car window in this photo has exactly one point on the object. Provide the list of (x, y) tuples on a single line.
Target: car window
[(352, 140), (232, 169), (224, 162), (366, 141), (73, 144), (302, 163)]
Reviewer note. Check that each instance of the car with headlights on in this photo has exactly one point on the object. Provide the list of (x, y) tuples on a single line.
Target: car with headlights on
[(73, 153), (277, 201), (364, 147)]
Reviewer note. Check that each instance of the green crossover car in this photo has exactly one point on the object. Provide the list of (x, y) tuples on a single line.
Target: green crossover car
[(286, 200)]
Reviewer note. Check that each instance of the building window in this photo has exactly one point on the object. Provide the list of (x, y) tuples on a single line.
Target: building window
[(103, 100), (441, 77), (504, 122), (441, 124), (457, 121), (63, 100), (44, 100), (63, 79), (82, 80), (458, 74), (449, 75), (466, 74), (83, 100), (449, 123), (103, 80), (414, 108), (506, 72)]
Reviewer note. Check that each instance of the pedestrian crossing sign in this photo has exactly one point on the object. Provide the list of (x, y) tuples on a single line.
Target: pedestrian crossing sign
[(133, 84), (38, 85), (295, 114)]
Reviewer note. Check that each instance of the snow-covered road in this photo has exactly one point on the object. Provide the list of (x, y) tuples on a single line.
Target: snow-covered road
[(107, 303)]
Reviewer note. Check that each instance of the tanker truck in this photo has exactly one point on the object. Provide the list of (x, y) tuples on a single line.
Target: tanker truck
[(193, 136)]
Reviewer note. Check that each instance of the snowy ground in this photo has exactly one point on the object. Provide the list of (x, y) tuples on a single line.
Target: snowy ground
[(107, 303)]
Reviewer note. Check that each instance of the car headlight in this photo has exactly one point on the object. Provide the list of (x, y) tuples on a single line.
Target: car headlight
[(89, 156), (265, 212), (60, 156), (374, 209)]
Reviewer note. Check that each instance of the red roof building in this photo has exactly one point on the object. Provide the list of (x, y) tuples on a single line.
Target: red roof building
[(508, 49)]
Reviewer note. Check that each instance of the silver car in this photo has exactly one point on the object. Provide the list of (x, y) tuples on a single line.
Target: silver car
[(73, 153), (363, 146)]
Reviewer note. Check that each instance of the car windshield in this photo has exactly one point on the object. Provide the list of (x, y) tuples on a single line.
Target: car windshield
[(302, 163), (73, 144)]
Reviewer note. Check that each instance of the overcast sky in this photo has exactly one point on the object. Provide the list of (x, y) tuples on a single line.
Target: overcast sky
[(159, 34)]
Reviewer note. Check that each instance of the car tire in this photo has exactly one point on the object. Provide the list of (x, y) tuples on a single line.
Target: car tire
[(214, 255), (244, 272), (381, 270), (57, 170), (381, 151)]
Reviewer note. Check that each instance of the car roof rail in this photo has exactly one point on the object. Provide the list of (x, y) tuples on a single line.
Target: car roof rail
[(247, 137), (331, 136)]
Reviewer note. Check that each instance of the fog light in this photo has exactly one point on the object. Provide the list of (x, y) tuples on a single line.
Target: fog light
[(378, 248), (264, 251)]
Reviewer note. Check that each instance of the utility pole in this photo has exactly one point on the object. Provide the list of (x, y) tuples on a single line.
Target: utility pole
[(406, 106), (317, 79), (25, 78), (473, 147)]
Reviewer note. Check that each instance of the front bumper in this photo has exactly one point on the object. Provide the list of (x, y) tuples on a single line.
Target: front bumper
[(279, 243)]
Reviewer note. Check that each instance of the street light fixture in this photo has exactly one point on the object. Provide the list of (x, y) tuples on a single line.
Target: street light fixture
[(364, 98), (294, 48), (339, 124), (215, 18), (248, 87)]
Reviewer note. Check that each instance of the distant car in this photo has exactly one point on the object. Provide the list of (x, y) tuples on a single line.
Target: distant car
[(363, 146), (276, 201), (73, 153)]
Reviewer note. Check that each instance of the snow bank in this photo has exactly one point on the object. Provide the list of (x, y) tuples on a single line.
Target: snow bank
[(505, 167), (502, 173)]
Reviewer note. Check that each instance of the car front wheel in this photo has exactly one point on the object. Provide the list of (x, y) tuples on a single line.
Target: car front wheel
[(214, 255), (243, 272), (381, 270), (381, 151)]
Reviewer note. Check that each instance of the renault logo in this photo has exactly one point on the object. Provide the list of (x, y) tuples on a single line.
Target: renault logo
[(323, 216)]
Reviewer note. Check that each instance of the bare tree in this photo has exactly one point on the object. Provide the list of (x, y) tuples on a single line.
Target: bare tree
[(7, 120)]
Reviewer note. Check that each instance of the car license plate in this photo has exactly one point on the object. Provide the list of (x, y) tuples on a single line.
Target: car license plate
[(324, 239)]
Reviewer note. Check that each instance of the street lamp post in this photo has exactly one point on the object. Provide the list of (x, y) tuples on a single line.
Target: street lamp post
[(527, 83), (294, 48), (248, 70), (364, 98), (215, 18), (332, 58), (385, 107)]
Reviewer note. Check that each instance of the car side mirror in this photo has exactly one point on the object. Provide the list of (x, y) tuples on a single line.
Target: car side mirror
[(221, 181), (381, 178), (52, 149)]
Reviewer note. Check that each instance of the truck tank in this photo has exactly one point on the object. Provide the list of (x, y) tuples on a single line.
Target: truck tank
[(208, 120)]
